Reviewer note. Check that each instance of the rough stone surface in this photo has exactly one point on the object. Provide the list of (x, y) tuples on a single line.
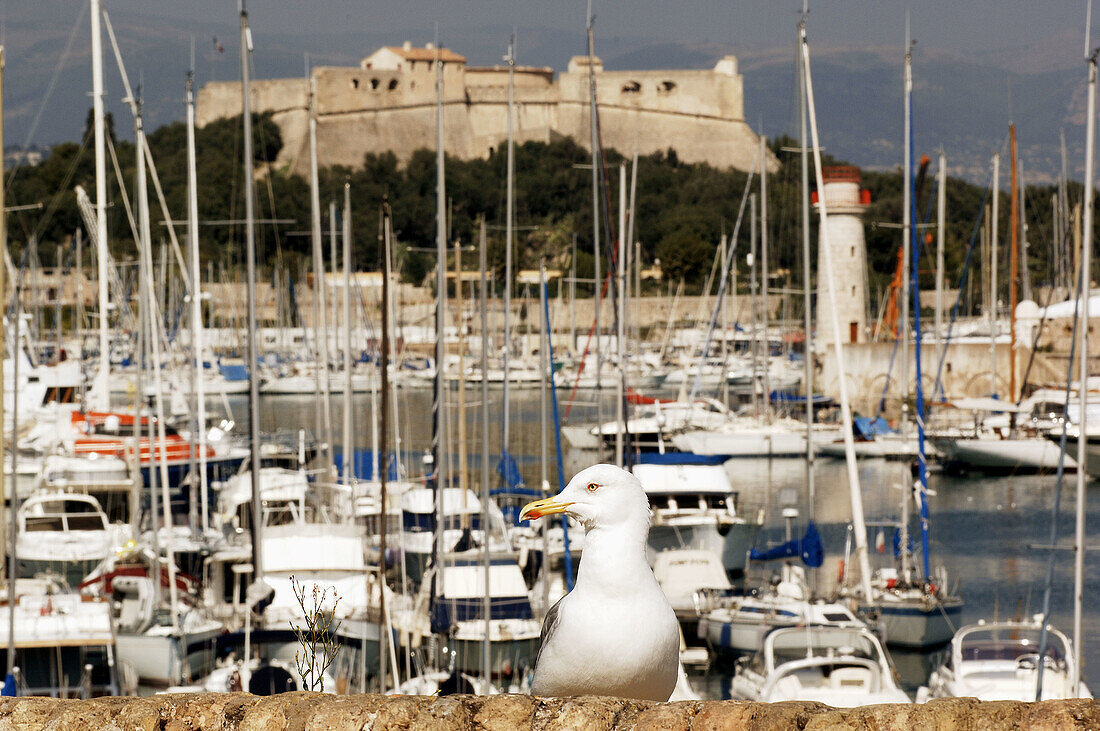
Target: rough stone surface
[(317, 712)]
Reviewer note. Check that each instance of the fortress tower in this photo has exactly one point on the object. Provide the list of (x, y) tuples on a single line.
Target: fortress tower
[(844, 204)]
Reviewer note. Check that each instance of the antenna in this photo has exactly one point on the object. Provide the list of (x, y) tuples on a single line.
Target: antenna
[(1088, 29)]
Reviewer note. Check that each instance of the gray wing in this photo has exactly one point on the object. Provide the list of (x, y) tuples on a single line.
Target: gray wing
[(549, 626)]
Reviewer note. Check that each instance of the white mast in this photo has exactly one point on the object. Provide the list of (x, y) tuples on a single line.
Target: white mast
[(102, 378), (157, 454), (941, 213), (594, 144), (250, 274), (196, 293), (764, 275), (993, 276), (906, 238), (1083, 350), (808, 368), (859, 526), (320, 289), (508, 245), (349, 448), (620, 336)]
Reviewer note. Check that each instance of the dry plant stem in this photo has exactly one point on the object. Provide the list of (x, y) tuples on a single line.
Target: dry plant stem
[(316, 635)]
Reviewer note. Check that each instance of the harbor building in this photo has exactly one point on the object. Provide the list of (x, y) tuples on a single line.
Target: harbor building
[(388, 104)]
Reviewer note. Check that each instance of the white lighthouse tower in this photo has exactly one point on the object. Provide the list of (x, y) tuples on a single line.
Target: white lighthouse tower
[(844, 205)]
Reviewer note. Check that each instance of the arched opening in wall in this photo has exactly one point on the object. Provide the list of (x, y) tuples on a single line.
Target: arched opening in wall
[(355, 83), (852, 252), (666, 87), (374, 84), (392, 85), (632, 87), (853, 291)]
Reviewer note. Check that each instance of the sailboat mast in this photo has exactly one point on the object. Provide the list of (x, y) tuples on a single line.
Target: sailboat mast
[(620, 335), (764, 275), (483, 306), (807, 281), (598, 279), (349, 447), (1083, 349), (508, 246), (914, 253), (383, 437), (196, 296), (440, 425), (993, 226), (858, 523), (906, 234), (941, 220), (250, 288), (102, 385), (320, 285), (157, 454), (1013, 263)]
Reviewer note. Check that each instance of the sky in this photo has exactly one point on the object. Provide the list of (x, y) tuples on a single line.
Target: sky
[(961, 25)]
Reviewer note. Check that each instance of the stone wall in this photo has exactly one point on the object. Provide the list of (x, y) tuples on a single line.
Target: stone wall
[(309, 711), (699, 113)]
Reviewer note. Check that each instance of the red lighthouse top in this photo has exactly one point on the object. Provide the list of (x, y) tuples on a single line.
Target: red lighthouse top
[(840, 174)]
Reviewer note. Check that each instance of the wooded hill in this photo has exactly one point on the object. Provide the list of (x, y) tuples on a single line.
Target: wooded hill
[(683, 209)]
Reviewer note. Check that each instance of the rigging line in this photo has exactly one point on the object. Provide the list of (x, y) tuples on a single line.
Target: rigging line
[(937, 390), (1056, 508), (1039, 332), (62, 190), (50, 88)]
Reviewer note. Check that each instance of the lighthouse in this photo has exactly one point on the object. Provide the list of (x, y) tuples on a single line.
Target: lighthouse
[(844, 206)]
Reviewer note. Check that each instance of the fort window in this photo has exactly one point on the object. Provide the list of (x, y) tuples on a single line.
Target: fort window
[(666, 87), (392, 85), (355, 83), (632, 87), (374, 84)]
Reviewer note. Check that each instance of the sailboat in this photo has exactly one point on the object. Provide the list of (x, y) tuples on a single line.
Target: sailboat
[(913, 610)]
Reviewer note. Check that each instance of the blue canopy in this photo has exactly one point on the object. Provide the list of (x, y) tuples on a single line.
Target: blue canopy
[(363, 462), (808, 548), (509, 471), (688, 458), (864, 427), (786, 397)]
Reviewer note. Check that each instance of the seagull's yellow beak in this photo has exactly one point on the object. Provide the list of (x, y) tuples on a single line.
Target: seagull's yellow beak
[(539, 508)]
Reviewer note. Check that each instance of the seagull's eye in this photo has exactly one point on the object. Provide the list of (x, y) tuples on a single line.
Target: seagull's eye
[(592, 487)]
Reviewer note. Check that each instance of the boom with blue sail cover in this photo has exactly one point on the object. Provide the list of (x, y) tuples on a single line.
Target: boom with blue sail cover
[(809, 548)]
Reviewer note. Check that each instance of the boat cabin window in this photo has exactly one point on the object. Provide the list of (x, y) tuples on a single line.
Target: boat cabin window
[(87, 521), (999, 643), (44, 523), (60, 395), (838, 617), (820, 642)]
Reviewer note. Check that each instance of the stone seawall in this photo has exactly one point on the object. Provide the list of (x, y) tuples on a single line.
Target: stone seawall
[(314, 712)]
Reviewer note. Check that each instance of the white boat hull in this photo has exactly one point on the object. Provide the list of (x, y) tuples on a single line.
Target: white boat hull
[(1004, 454)]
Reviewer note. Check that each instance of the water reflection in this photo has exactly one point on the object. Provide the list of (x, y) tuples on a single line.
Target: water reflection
[(981, 527)]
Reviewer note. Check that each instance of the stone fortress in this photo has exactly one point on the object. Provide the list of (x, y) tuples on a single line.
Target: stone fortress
[(388, 103)]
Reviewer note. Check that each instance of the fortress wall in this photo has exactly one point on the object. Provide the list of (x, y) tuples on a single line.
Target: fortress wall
[(683, 92), (244, 712), (525, 77), (699, 113), (220, 99)]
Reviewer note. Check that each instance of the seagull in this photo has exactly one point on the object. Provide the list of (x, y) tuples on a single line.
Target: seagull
[(615, 633)]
